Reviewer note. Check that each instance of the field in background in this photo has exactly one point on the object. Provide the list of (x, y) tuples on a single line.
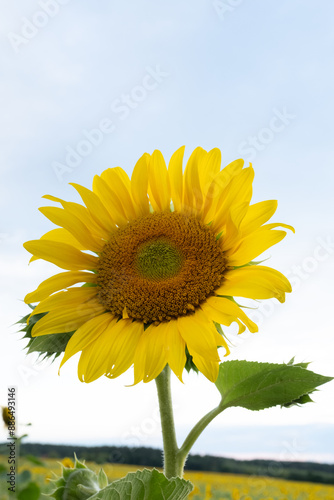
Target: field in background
[(207, 485)]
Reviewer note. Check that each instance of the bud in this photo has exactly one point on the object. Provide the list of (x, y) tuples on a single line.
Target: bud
[(78, 482)]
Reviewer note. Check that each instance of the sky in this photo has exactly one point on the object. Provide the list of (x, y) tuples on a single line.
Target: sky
[(89, 86)]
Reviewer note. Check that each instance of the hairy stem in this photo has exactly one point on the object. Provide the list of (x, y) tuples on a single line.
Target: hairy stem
[(172, 465), (194, 434)]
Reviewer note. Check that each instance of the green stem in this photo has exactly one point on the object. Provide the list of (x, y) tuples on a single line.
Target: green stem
[(194, 434), (172, 465), (174, 457)]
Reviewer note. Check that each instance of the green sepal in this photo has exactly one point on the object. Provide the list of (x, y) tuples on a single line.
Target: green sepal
[(23, 320), (47, 346), (190, 365), (102, 479), (29, 324), (78, 464), (58, 494), (220, 330), (251, 263), (85, 491)]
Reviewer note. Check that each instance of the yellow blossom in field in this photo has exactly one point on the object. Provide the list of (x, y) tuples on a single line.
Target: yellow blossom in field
[(215, 483), (208, 492), (67, 462), (235, 494), (195, 491)]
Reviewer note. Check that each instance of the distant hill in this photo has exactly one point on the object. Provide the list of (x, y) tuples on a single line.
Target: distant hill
[(152, 457)]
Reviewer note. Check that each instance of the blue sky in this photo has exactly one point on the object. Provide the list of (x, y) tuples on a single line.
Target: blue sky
[(254, 79)]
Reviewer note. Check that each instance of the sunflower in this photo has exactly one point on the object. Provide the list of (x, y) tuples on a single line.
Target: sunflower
[(161, 257), (6, 416)]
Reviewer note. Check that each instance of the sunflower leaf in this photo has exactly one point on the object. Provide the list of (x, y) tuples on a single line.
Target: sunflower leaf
[(300, 401), (30, 492), (257, 386), (145, 485)]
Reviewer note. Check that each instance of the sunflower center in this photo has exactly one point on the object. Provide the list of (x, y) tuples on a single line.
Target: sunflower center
[(159, 267), (158, 260)]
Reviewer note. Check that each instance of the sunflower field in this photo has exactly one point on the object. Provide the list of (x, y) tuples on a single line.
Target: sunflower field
[(35, 477)]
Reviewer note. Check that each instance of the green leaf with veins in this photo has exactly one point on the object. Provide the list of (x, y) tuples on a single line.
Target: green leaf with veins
[(257, 386)]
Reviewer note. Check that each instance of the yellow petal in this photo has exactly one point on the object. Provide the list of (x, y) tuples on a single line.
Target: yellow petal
[(192, 192), (230, 231), (258, 214), (66, 319), (156, 353), (139, 186), (277, 224), (69, 298), (176, 348), (199, 334), (74, 225), (94, 359), (209, 368), (219, 307), (124, 344), (255, 282), (113, 347), (116, 183), (238, 213), (109, 200), (176, 178), (253, 245), (58, 282), (81, 213), (96, 208), (237, 192), (242, 327), (86, 334), (159, 187), (216, 188), (209, 168), (62, 255), (167, 347), (125, 178), (219, 316), (151, 356), (63, 236), (140, 359)]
